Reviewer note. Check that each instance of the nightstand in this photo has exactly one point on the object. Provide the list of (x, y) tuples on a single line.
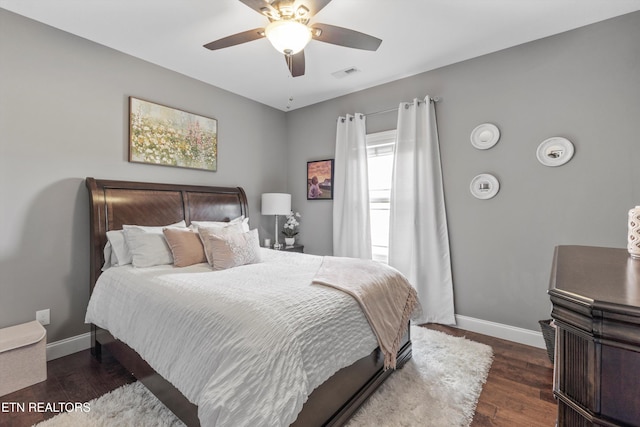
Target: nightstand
[(294, 248)]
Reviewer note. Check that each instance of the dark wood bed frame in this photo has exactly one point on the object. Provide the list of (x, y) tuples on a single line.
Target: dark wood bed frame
[(114, 203)]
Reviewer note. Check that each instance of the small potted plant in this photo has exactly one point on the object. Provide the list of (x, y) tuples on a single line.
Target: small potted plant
[(290, 228)]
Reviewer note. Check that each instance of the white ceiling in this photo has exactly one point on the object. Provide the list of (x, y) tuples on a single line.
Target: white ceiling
[(418, 35)]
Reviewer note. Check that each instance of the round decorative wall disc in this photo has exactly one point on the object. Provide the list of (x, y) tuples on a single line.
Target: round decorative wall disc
[(555, 151), (484, 186), (485, 136)]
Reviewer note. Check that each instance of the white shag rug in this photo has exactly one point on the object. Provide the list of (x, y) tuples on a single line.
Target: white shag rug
[(438, 387)]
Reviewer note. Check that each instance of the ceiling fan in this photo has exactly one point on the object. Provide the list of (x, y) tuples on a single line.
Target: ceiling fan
[(289, 32)]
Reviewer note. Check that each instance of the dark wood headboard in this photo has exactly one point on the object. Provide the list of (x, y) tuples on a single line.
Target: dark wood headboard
[(114, 203)]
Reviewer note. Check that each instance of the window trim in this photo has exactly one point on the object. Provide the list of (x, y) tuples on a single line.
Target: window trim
[(386, 137)]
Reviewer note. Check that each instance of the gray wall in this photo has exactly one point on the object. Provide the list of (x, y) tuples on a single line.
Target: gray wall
[(583, 85), (64, 116)]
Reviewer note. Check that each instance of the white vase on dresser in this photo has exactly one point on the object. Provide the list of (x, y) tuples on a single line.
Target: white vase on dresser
[(633, 244)]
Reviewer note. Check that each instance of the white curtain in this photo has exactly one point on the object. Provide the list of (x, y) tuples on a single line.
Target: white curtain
[(351, 223), (418, 236)]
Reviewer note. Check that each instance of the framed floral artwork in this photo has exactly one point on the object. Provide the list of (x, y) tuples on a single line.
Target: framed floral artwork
[(166, 136), (320, 180)]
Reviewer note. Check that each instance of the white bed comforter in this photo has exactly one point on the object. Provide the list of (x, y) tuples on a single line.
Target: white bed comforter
[(247, 345)]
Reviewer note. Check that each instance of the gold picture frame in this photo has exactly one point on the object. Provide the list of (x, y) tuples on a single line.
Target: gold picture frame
[(166, 136)]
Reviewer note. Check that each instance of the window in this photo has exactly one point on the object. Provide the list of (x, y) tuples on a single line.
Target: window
[(380, 149)]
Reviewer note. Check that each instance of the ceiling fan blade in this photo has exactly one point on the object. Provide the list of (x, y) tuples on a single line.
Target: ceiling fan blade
[(262, 7), (296, 63), (246, 36), (313, 6), (344, 37)]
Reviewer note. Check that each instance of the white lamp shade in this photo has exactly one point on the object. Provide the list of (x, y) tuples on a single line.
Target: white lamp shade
[(276, 204), (288, 37)]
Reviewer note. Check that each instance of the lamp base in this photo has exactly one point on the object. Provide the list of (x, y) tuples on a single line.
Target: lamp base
[(277, 246)]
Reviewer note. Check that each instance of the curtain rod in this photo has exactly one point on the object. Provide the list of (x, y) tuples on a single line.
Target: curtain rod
[(434, 99)]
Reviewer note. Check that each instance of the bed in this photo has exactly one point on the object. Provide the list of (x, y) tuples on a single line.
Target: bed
[(116, 203)]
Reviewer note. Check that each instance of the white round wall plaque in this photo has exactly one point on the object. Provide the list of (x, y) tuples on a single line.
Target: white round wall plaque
[(555, 151), (485, 136), (484, 186)]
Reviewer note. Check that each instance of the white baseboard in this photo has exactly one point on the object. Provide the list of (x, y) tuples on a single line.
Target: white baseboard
[(68, 346), (499, 330), (78, 343)]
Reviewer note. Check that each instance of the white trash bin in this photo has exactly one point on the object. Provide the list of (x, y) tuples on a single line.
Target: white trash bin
[(23, 356)]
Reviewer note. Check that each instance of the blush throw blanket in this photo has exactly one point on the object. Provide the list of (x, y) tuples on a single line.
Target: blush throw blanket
[(384, 294)]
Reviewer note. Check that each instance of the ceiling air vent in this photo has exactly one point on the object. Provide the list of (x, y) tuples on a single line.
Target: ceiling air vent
[(346, 72)]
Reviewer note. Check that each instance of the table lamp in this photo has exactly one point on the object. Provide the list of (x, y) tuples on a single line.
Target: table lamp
[(276, 204)]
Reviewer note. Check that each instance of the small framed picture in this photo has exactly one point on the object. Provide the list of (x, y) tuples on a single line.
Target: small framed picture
[(320, 180)]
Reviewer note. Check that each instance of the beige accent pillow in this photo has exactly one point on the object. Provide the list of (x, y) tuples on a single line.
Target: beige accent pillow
[(231, 250), (206, 232), (186, 246)]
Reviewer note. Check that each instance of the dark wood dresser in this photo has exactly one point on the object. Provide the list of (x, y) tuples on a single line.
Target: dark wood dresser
[(595, 294)]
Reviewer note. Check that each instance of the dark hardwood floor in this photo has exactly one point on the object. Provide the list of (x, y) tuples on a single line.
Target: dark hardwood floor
[(518, 391), (74, 378)]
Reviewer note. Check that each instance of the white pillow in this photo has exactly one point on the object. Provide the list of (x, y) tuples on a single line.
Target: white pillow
[(244, 222), (147, 248), (107, 256), (120, 253)]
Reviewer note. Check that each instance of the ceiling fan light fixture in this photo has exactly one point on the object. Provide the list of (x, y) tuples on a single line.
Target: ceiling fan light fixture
[(288, 36)]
